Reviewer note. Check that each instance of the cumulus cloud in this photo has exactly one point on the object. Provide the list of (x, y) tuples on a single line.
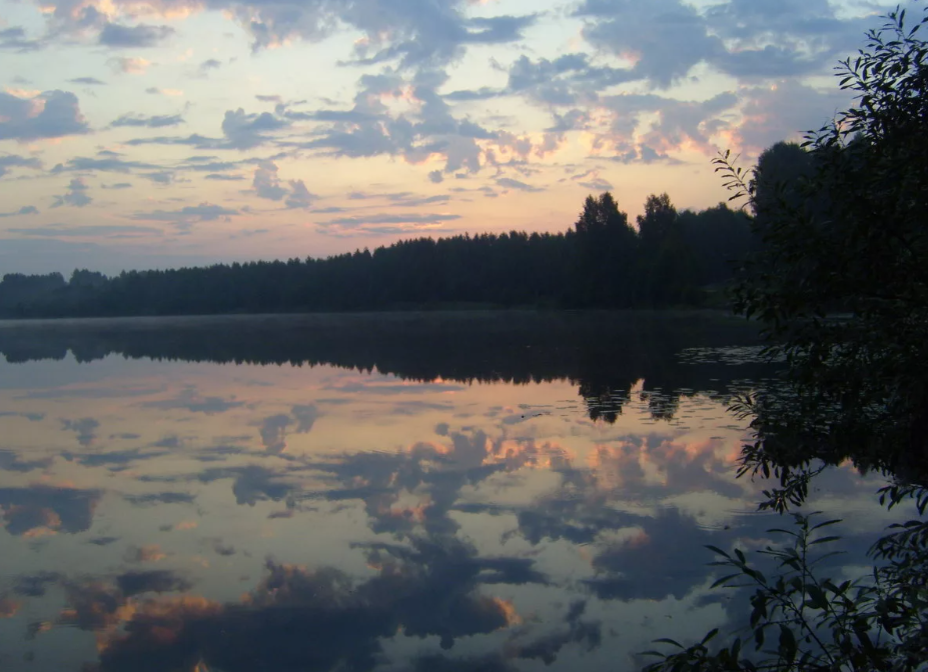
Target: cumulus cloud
[(266, 182), (245, 131), (76, 195), (52, 114), (268, 185)]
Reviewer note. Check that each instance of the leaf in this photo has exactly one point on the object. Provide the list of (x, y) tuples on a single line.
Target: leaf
[(665, 640), (788, 646), (724, 580)]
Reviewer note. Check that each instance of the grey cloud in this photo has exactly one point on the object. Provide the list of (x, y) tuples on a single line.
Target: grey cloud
[(107, 164), (188, 215), (117, 185), (510, 183), (59, 115), (8, 161), (75, 196), (436, 177), (229, 178), (193, 140), (567, 80), (245, 131), (306, 416), (160, 177), (14, 39), (141, 120), (269, 99), (210, 64), (25, 210), (142, 35), (300, 196), (89, 81), (160, 581), (667, 36), (267, 185), (10, 461), (154, 498), (189, 400), (774, 114), (273, 433), (67, 510), (266, 182), (85, 428)]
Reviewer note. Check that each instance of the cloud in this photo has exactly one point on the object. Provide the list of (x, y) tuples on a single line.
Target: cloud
[(267, 185), (510, 183), (311, 620), (8, 161), (107, 164), (266, 182), (244, 131), (146, 553), (76, 195), (85, 428), (185, 217), (155, 91), (143, 35), (156, 581), (273, 432), (129, 66), (300, 196), (14, 39), (25, 210), (435, 177), (161, 497), (44, 507), (141, 120), (89, 81), (10, 461), (211, 64), (229, 178), (189, 399), (666, 38), (52, 114)]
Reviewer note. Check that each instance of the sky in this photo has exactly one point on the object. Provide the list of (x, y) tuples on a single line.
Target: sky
[(165, 133)]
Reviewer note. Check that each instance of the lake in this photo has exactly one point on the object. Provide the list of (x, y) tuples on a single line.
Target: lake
[(391, 492)]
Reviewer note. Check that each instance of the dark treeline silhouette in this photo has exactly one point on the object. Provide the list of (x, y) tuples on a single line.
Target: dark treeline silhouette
[(603, 262), (604, 353)]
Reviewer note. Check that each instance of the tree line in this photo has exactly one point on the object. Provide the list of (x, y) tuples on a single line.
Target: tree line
[(603, 261)]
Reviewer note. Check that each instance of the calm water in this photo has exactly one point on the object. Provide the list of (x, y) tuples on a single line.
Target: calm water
[(472, 491)]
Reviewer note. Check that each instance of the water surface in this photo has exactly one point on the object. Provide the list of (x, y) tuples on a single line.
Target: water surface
[(467, 491)]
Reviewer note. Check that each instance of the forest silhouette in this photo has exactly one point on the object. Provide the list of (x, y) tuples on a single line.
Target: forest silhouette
[(670, 258)]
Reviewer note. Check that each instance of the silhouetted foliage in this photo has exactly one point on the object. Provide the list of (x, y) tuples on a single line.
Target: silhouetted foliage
[(602, 263), (842, 225)]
